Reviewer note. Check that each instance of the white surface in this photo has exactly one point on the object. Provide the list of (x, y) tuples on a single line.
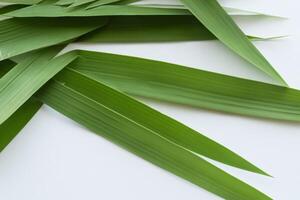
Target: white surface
[(55, 159)]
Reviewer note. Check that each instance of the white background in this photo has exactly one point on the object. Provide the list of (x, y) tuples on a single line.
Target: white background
[(54, 158)]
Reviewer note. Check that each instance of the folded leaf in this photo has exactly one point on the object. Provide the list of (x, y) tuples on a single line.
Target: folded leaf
[(111, 114), (18, 36), (212, 16), (20, 83), (178, 84)]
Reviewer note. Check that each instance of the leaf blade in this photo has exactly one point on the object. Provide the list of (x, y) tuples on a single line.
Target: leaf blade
[(85, 108), (212, 15), (188, 86), (20, 83), (19, 36), (151, 29), (13, 125)]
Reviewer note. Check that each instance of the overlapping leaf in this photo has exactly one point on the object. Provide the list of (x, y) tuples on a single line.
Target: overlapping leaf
[(16, 94), (151, 29), (84, 91), (144, 131), (12, 126), (101, 3), (192, 87), (52, 10), (19, 36), (212, 15), (25, 2), (20, 83), (97, 107)]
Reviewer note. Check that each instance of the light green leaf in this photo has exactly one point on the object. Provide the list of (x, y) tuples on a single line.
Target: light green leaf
[(18, 36), (81, 2), (51, 10), (20, 83), (48, 10), (12, 126), (25, 2), (203, 89), (212, 15), (129, 124), (101, 3), (64, 2)]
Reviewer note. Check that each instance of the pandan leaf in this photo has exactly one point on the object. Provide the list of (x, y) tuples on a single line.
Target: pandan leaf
[(19, 36), (51, 10), (97, 107), (101, 3), (193, 87), (152, 29), (13, 125), (215, 19), (16, 122), (21, 82)]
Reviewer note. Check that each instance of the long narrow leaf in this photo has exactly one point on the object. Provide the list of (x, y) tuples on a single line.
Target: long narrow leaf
[(96, 106), (20, 83), (143, 115), (12, 126), (151, 29), (51, 10), (212, 15), (192, 87), (101, 3), (46, 10), (18, 36), (25, 2)]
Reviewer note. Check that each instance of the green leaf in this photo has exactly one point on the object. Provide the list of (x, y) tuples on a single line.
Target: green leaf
[(64, 2), (101, 3), (20, 83), (193, 87), (25, 2), (12, 126), (212, 15), (151, 29), (18, 36), (5, 66), (51, 10), (80, 2), (48, 10), (230, 10), (112, 115), (176, 132), (42, 67)]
